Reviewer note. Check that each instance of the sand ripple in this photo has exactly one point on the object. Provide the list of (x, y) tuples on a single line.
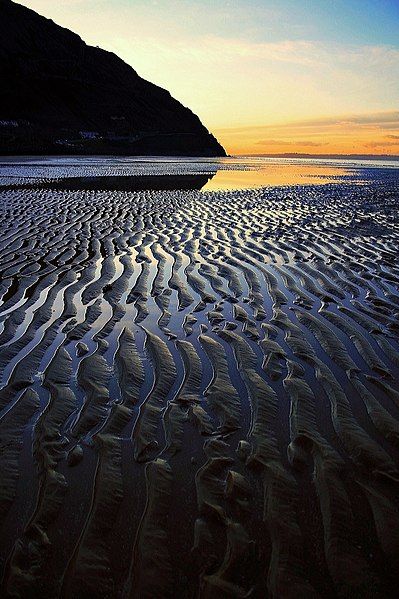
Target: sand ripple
[(200, 391)]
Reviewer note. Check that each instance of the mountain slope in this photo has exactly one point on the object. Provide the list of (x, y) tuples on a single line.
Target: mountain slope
[(59, 95)]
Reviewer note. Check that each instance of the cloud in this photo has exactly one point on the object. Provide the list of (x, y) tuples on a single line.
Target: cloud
[(389, 119), (381, 144), (341, 134), (283, 142), (312, 54)]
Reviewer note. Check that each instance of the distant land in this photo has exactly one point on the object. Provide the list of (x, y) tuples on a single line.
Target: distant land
[(333, 156), (61, 96)]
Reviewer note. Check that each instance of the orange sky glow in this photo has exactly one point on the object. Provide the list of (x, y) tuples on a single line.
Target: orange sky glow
[(376, 133)]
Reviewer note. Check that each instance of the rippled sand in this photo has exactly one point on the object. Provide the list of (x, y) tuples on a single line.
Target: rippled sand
[(200, 392)]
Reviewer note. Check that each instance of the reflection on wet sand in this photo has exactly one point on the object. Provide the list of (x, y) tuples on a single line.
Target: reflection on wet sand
[(124, 183), (221, 179), (167, 173), (276, 174)]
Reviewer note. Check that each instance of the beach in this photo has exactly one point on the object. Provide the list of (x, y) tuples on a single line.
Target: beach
[(199, 383)]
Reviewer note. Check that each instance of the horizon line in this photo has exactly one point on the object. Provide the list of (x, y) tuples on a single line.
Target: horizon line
[(302, 154)]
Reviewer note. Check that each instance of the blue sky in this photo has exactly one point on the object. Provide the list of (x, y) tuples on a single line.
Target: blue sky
[(343, 21)]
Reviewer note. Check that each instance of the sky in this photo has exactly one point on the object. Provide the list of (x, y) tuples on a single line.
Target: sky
[(265, 76)]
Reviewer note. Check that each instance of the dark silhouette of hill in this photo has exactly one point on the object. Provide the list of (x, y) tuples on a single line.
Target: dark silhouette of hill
[(60, 96)]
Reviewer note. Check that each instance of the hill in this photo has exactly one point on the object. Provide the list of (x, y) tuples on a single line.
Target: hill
[(60, 96)]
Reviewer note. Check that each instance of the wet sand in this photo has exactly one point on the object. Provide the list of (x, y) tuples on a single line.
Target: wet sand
[(200, 389)]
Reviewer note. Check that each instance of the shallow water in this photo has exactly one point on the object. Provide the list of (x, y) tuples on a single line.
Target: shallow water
[(275, 174), (230, 426), (208, 174)]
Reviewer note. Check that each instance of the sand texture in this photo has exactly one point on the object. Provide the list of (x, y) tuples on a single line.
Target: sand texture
[(199, 390)]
